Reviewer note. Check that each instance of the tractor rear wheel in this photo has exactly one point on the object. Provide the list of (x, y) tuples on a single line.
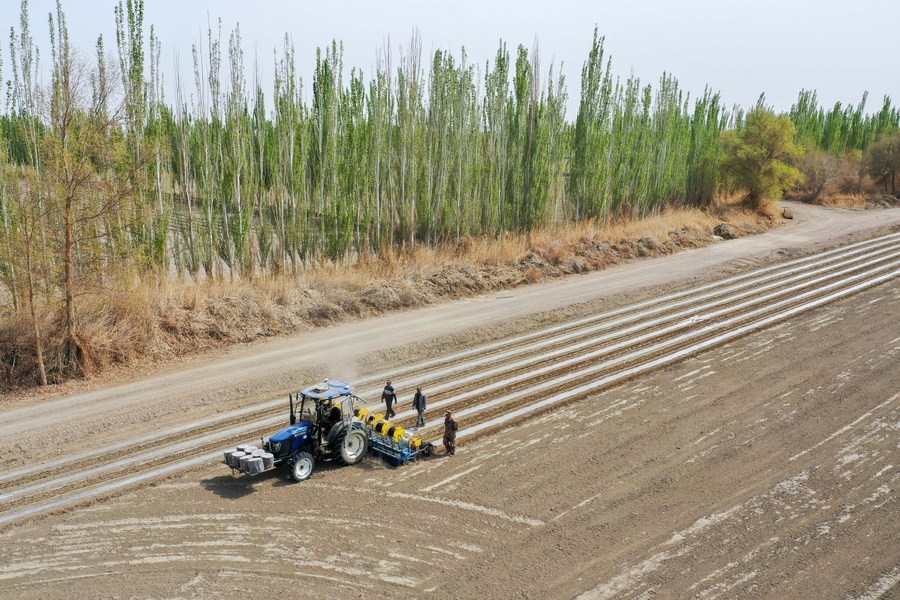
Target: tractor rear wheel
[(335, 436), (354, 445), (302, 466)]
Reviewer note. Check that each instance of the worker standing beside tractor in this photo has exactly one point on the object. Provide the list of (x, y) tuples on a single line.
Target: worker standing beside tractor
[(450, 427), (389, 396), (420, 403)]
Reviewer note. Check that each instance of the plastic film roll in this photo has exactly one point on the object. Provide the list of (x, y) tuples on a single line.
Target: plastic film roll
[(236, 459)]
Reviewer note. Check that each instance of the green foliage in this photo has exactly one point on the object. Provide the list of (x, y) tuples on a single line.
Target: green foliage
[(426, 149), (636, 150), (760, 156), (842, 128)]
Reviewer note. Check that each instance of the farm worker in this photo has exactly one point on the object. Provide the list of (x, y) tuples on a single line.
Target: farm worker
[(420, 402), (389, 396), (450, 428)]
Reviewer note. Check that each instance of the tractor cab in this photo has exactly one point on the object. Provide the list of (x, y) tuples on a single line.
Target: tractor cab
[(324, 406), (322, 427), (321, 417)]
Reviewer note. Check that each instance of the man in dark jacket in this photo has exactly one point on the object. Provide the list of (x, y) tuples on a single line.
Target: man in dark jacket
[(420, 403), (450, 428), (389, 396)]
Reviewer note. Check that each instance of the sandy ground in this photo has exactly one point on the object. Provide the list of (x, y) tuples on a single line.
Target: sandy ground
[(765, 469)]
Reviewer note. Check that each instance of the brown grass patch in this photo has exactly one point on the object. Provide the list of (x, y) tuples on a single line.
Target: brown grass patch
[(846, 200)]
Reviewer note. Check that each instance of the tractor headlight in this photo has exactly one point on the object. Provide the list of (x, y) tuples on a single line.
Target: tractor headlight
[(275, 446)]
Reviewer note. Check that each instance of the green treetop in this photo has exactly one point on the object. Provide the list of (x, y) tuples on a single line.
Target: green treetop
[(759, 156)]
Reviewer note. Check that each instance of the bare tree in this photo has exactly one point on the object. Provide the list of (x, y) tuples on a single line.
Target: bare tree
[(87, 171), (883, 160), (820, 169), (24, 190)]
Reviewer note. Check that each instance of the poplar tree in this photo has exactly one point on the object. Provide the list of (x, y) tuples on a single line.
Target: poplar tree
[(233, 180)]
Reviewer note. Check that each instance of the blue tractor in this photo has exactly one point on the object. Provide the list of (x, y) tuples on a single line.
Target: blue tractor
[(322, 428)]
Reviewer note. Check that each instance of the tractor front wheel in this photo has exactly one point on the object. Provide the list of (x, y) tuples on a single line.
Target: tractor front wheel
[(353, 446), (302, 466)]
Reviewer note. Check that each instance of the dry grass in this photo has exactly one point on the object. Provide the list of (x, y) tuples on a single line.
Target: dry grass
[(113, 327), (851, 191), (165, 318), (846, 200)]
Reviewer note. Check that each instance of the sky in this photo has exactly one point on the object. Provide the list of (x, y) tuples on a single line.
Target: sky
[(740, 48)]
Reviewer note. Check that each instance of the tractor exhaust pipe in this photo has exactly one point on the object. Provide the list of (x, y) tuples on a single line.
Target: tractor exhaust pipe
[(293, 416)]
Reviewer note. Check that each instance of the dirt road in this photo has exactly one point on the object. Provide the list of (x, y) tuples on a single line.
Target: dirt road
[(747, 471), (247, 374)]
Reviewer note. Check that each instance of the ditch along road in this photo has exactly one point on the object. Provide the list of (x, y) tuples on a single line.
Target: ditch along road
[(489, 385), (767, 467)]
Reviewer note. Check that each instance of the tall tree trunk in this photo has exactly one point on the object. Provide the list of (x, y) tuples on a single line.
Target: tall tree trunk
[(38, 346), (13, 288), (71, 357)]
